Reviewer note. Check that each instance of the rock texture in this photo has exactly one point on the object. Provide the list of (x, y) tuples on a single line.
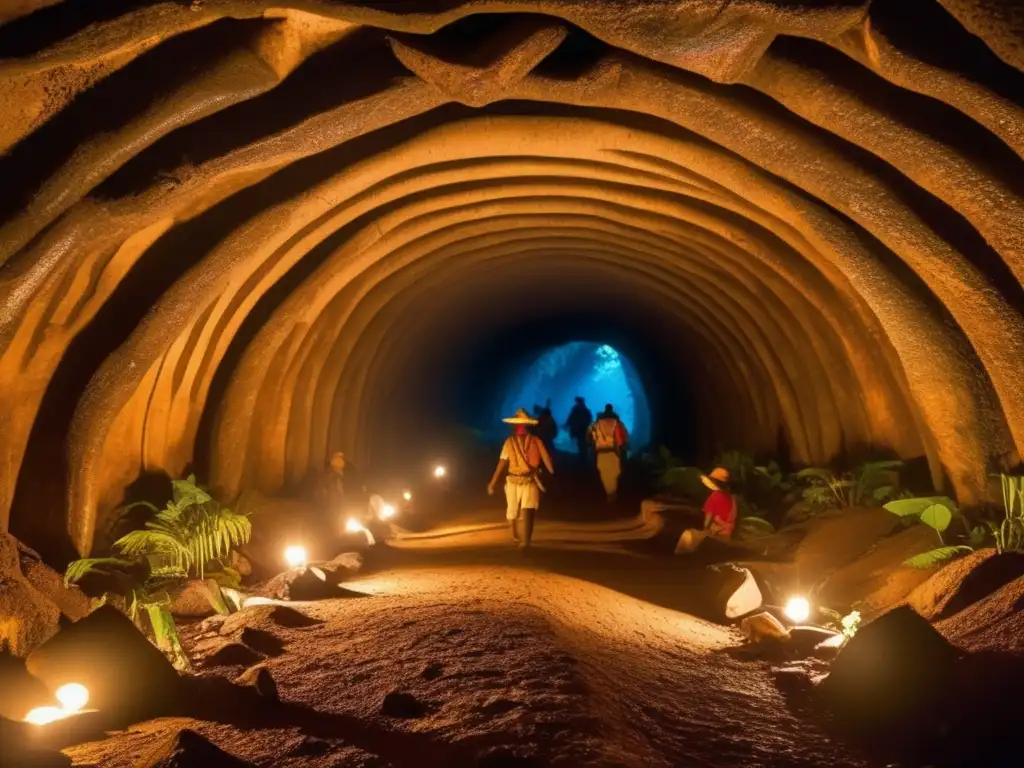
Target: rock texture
[(245, 262)]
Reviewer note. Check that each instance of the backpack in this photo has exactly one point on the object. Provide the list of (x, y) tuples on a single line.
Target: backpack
[(604, 440)]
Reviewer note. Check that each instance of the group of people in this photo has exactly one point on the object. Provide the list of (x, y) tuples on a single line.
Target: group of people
[(527, 451)]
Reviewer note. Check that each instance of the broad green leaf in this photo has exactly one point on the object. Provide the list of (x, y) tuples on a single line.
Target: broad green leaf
[(978, 535), (759, 523), (937, 556), (907, 507), (937, 516)]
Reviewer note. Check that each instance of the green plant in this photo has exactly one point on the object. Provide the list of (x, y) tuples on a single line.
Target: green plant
[(192, 537), (868, 485), (846, 625), (774, 477), (937, 512), (1009, 533)]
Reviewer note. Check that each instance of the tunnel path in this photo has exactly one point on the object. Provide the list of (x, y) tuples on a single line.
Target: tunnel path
[(529, 666)]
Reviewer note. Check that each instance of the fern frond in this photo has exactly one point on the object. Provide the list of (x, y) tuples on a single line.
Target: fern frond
[(79, 569)]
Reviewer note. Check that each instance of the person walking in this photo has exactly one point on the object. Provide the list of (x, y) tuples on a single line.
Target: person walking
[(578, 426), (610, 438), (521, 458), (547, 427)]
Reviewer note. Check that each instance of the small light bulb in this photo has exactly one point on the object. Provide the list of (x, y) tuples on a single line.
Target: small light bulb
[(798, 609), (353, 526), (386, 512), (407, 496), (440, 471), (44, 715), (73, 696), (295, 556)]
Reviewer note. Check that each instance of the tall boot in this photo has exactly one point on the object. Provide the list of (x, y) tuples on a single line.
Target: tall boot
[(528, 515)]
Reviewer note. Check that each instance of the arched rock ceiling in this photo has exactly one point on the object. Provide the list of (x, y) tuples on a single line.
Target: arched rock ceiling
[(247, 224)]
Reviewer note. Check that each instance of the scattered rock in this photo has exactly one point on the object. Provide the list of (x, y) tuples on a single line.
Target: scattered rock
[(27, 619), (806, 639), (267, 615), (259, 677), (186, 748), (262, 641), (403, 705), (105, 652), (20, 691), (233, 655), (433, 671), (764, 628), (730, 593), (241, 564), (310, 746), (193, 601), (212, 624), (889, 670), (302, 584), (351, 562)]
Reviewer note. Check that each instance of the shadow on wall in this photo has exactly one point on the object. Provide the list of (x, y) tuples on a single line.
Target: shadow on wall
[(597, 372)]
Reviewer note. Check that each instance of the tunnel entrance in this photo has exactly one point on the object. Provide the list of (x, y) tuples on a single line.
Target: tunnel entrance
[(595, 371)]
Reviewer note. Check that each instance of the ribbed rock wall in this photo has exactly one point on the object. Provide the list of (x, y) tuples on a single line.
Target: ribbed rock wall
[(236, 228)]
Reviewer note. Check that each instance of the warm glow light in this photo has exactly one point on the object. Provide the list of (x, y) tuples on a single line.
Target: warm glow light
[(353, 526), (407, 496), (73, 696), (295, 556), (798, 609), (44, 715), (386, 512), (440, 471)]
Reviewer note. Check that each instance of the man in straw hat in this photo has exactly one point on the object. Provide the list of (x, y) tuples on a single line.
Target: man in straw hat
[(521, 455), (720, 512)]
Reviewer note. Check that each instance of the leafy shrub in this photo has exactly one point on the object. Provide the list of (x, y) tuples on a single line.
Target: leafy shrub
[(1009, 533), (937, 512), (192, 537), (867, 486)]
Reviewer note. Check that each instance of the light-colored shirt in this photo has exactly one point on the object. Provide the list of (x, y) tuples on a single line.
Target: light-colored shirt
[(530, 448)]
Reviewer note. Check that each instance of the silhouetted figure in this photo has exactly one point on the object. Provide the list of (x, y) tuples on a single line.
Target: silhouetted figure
[(547, 427), (522, 455), (331, 488), (578, 425), (610, 438)]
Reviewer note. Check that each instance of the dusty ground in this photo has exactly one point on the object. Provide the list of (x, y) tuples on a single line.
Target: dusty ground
[(514, 665)]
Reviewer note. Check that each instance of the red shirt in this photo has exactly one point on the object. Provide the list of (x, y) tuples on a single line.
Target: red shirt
[(721, 507)]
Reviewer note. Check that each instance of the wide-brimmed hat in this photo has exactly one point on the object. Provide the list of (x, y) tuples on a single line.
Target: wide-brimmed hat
[(521, 417), (717, 479)]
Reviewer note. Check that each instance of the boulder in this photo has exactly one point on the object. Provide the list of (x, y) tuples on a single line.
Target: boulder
[(193, 601), (804, 640), (964, 582), (186, 748), (308, 583), (241, 564), (342, 567), (891, 670), (260, 679), (19, 750), (71, 601), (19, 691), (994, 623), (105, 652), (27, 618)]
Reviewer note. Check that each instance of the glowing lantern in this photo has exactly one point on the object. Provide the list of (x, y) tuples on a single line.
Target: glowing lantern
[(387, 512), (440, 471), (354, 526), (73, 697), (295, 556), (44, 715), (798, 609), (407, 496)]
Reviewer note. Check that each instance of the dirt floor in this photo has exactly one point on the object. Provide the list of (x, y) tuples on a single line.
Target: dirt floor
[(509, 663)]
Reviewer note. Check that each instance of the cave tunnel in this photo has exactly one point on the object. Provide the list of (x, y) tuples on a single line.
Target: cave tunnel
[(236, 236)]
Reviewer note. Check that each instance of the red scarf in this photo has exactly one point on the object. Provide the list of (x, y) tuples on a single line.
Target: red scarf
[(520, 430)]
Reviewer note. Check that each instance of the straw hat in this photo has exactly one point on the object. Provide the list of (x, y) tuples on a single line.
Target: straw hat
[(521, 417), (718, 478)]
